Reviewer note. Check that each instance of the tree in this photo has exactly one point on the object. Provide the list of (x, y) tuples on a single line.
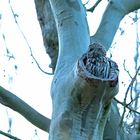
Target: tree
[(85, 80)]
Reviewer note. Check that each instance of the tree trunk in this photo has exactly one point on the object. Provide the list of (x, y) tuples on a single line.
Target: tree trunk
[(81, 98), (85, 81)]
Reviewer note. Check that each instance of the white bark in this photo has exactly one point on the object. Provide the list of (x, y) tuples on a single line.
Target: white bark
[(73, 32), (80, 105), (111, 19), (81, 101)]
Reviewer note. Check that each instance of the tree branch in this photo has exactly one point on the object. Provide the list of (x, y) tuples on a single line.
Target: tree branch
[(126, 94), (127, 106), (9, 136), (94, 6), (111, 19), (12, 101), (72, 30)]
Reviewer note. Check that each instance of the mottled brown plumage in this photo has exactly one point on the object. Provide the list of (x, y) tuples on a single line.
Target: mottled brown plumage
[(98, 64)]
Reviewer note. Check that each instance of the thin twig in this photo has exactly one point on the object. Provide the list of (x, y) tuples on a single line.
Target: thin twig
[(127, 71), (9, 135), (8, 53), (126, 106), (94, 6), (137, 55), (15, 16), (133, 100), (126, 93), (86, 2), (131, 83)]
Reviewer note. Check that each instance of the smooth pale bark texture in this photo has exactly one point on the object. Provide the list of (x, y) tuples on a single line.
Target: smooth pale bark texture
[(111, 19), (48, 31), (73, 32), (43, 7), (81, 99), (81, 96), (80, 110)]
